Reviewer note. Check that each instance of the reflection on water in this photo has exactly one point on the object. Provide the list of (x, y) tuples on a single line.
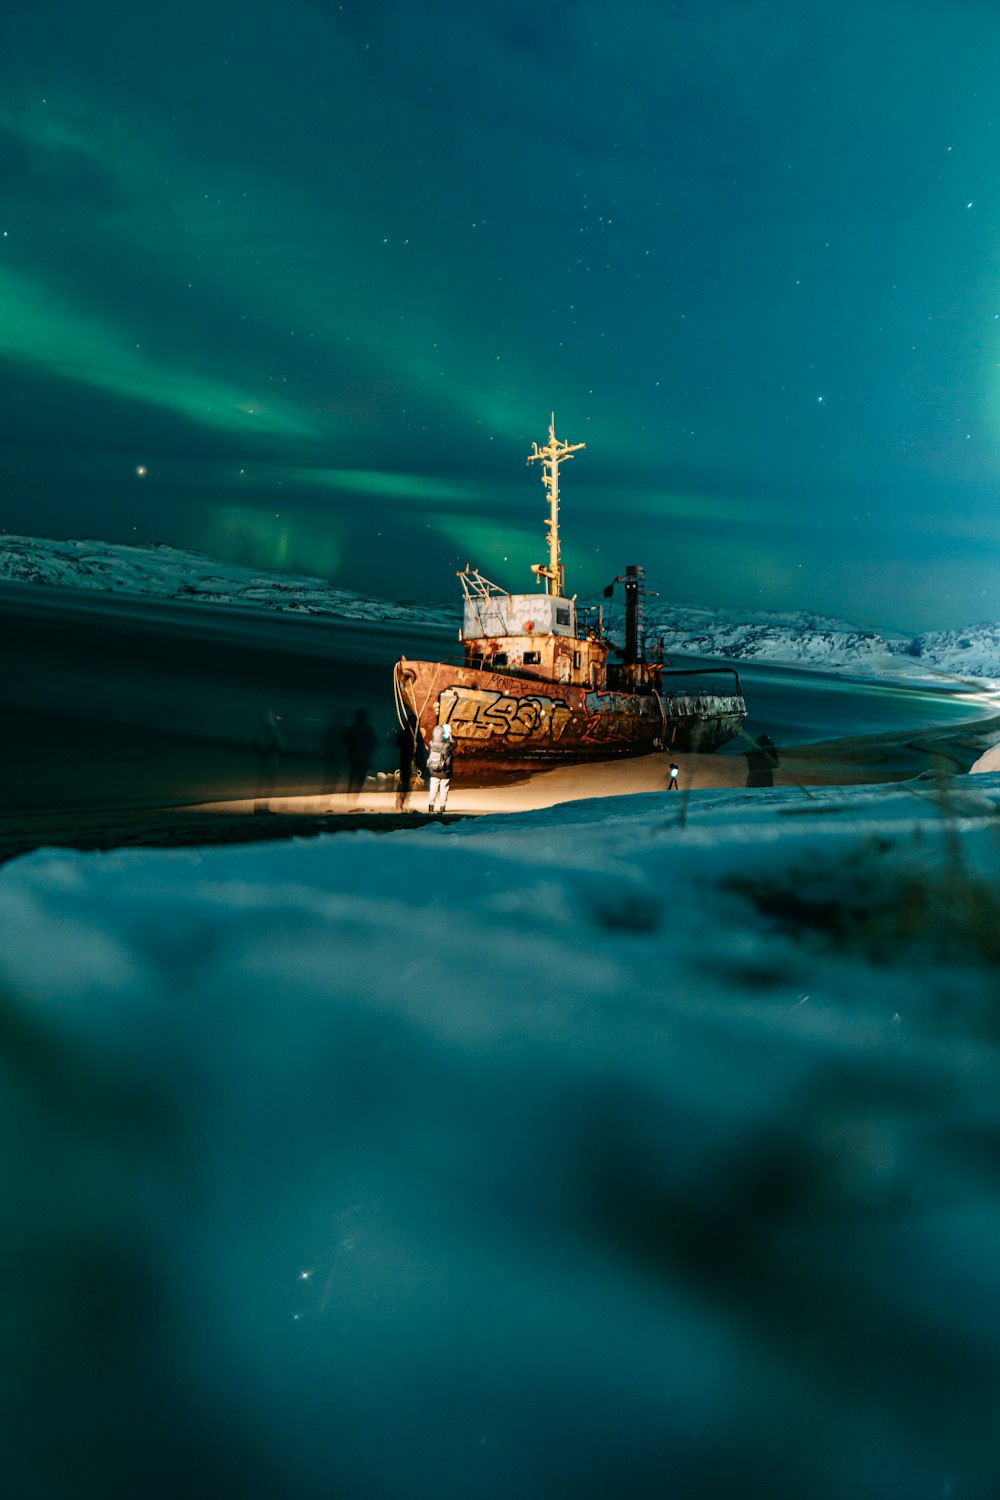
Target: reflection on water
[(114, 702), (796, 706)]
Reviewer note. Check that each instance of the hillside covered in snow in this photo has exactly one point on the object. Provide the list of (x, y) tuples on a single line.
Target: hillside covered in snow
[(802, 638), (971, 652), (169, 573), (798, 638)]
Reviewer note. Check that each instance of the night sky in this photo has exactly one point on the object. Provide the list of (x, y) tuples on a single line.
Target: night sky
[(298, 284)]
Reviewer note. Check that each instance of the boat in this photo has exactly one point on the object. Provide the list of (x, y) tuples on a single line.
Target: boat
[(536, 685)]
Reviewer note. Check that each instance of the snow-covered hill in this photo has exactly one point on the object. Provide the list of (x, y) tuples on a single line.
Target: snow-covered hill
[(168, 573), (973, 651), (800, 637), (807, 639), (791, 639)]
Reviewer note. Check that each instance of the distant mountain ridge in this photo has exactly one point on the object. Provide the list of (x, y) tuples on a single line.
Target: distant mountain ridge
[(971, 652), (804, 638), (796, 638), (170, 573), (799, 636)]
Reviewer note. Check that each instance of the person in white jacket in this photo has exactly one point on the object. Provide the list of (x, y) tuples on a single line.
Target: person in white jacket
[(440, 758)]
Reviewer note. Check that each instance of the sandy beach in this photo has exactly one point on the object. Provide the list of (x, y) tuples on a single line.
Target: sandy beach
[(837, 762)]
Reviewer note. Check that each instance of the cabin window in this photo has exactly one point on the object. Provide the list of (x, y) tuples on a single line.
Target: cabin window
[(500, 658), (532, 658), (576, 660), (563, 617)]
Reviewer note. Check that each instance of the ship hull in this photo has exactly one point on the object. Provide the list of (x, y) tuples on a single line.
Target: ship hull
[(504, 725)]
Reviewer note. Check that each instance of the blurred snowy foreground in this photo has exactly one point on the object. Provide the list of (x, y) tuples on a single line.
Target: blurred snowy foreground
[(637, 1147)]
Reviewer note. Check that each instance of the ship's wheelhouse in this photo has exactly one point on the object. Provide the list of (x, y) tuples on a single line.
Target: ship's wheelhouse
[(531, 635), (491, 615)]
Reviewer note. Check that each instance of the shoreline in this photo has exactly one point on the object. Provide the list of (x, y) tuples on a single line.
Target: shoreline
[(853, 761)]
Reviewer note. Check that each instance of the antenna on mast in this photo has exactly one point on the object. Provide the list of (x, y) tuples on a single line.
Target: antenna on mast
[(552, 456)]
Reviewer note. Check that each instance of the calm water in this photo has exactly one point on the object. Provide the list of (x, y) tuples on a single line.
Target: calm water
[(796, 707), (114, 702)]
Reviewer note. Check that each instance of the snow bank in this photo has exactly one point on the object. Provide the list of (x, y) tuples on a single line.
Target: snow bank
[(634, 1147)]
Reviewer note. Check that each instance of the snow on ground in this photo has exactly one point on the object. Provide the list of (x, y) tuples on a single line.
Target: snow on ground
[(635, 1147)]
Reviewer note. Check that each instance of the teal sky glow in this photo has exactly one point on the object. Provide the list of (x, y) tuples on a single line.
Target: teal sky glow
[(322, 270)]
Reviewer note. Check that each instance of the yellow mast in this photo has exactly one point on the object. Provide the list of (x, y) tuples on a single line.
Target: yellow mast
[(552, 456)]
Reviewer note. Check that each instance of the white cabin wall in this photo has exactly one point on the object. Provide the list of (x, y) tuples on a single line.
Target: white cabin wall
[(512, 614)]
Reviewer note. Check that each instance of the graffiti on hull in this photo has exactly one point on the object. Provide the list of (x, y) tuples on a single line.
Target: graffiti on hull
[(621, 716), (486, 714), (490, 714)]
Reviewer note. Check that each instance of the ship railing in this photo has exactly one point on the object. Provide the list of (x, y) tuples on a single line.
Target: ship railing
[(694, 693), (708, 705), (475, 586), (692, 676)]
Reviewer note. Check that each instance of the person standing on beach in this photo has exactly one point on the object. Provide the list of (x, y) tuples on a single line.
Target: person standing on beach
[(672, 778), (268, 743), (406, 751), (762, 762), (359, 742), (440, 758)]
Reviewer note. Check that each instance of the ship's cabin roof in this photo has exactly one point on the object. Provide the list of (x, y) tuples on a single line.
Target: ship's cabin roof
[(489, 615)]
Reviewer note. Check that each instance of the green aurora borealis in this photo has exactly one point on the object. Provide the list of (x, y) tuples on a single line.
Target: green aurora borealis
[(322, 270)]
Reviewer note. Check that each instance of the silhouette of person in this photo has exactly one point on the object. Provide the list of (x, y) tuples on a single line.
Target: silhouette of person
[(268, 743), (406, 748), (672, 777), (762, 762), (333, 753), (359, 742)]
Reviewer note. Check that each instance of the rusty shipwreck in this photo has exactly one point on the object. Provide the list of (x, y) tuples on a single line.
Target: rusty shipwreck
[(536, 686)]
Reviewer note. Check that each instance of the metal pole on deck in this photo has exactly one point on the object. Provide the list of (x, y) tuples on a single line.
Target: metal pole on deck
[(551, 457)]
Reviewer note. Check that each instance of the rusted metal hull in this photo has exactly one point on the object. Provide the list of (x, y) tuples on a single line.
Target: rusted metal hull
[(503, 725)]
